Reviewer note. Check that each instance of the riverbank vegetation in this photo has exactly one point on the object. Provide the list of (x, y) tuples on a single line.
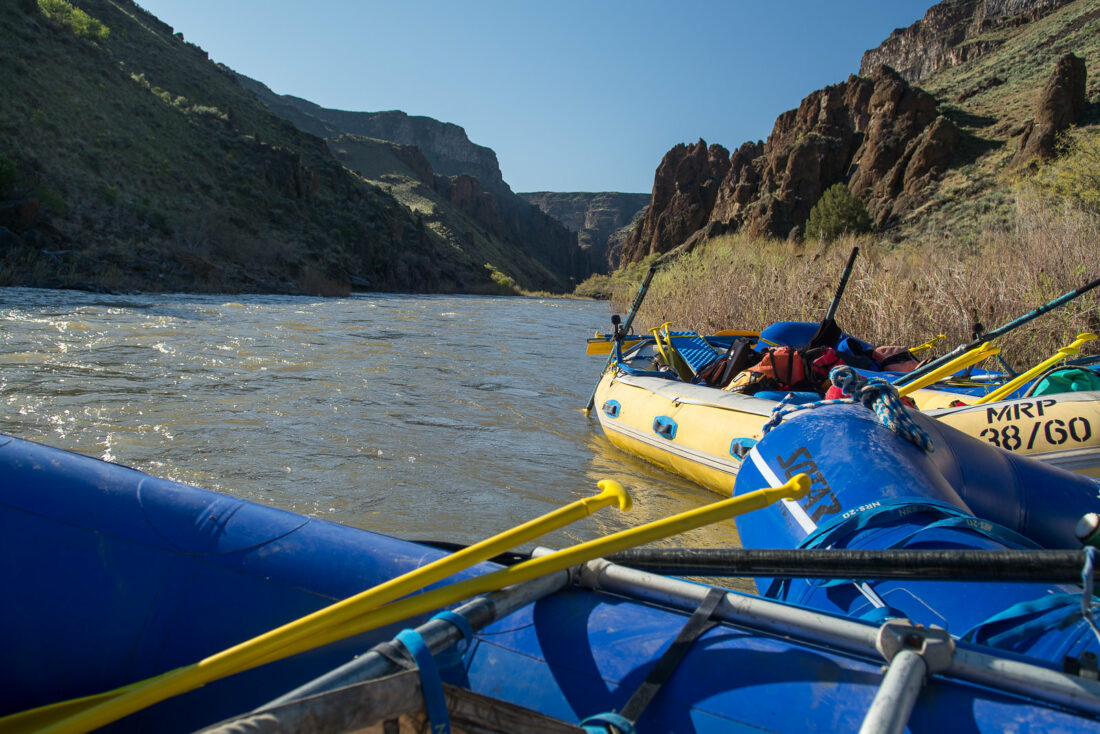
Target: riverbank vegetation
[(900, 293)]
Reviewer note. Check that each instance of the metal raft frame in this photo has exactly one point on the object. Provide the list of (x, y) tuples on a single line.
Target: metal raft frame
[(911, 653)]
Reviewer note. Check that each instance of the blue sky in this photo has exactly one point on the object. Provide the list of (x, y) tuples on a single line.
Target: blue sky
[(572, 95)]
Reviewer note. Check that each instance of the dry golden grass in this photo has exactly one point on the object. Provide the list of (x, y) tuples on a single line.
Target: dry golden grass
[(897, 294)]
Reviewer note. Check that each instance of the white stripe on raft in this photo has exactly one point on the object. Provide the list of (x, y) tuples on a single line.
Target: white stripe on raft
[(773, 480), (804, 520)]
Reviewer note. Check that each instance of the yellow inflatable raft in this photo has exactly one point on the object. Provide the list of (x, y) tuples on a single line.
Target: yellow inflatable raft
[(702, 433)]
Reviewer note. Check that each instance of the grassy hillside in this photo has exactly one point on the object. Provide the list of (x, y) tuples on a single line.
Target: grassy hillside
[(380, 163), (990, 99), (989, 246), (130, 161), (512, 233)]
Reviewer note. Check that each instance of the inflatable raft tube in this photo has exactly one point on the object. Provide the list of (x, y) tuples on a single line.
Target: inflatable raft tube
[(874, 489), (117, 576)]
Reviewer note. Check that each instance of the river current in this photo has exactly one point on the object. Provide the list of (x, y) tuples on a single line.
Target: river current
[(425, 417)]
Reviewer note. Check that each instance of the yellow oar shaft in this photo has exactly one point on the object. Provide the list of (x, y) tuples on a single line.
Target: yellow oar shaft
[(927, 345), (1009, 387), (959, 363), (795, 488), (673, 358), (240, 656), (606, 347), (176, 682), (660, 345)]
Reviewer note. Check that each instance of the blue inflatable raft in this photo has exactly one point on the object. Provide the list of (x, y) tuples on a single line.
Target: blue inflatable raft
[(114, 576), (874, 489)]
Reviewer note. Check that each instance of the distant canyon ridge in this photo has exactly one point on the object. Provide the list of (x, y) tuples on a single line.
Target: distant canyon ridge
[(445, 159), (879, 132), (154, 168)]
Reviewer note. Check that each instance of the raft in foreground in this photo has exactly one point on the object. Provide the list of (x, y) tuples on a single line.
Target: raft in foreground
[(120, 576)]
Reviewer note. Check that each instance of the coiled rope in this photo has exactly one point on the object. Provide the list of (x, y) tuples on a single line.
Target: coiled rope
[(1087, 590), (874, 393)]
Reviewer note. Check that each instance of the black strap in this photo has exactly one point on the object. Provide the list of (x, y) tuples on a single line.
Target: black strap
[(827, 335), (735, 362), (659, 674)]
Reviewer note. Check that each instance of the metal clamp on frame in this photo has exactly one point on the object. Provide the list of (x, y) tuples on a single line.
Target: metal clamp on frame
[(913, 653)]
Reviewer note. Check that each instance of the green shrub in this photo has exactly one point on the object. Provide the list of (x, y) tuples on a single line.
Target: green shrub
[(1074, 176), (50, 198), (504, 282), (75, 19), (836, 213)]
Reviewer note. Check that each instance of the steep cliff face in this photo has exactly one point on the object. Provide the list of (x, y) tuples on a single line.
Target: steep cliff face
[(146, 166), (446, 146), (950, 33), (880, 135), (457, 210), (1060, 105), (601, 220), (468, 175), (684, 191)]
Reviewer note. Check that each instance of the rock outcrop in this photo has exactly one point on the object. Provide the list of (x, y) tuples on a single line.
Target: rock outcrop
[(950, 33), (443, 157), (1061, 103), (906, 143), (684, 191), (466, 194), (602, 221), (445, 145), (880, 135)]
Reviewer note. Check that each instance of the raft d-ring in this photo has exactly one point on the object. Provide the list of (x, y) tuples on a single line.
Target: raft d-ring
[(740, 447), (664, 427)]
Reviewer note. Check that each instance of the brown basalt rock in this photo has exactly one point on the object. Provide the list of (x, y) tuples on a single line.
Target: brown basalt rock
[(924, 157), (1060, 105), (932, 152), (287, 171), (879, 135), (949, 34), (465, 193), (899, 113), (685, 188), (601, 220), (772, 187), (417, 162)]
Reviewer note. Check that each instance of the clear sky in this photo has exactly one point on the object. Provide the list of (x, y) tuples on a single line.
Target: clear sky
[(573, 95)]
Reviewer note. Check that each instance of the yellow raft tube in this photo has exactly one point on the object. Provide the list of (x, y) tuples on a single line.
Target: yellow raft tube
[(702, 433)]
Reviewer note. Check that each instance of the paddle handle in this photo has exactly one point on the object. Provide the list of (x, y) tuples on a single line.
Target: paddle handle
[(842, 285), (638, 298), (623, 329)]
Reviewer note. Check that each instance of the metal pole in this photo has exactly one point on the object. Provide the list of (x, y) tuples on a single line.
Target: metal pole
[(623, 329), (950, 565), (1010, 676), (999, 331), (439, 634), (894, 700)]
